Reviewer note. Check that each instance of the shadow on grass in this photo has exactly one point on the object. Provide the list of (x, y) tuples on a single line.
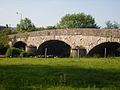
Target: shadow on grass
[(21, 76)]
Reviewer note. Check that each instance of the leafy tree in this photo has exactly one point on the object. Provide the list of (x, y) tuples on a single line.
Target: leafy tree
[(112, 25), (80, 20), (4, 40), (7, 31), (25, 25)]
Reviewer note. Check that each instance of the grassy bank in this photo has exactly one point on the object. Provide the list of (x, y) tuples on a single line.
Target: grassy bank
[(59, 73)]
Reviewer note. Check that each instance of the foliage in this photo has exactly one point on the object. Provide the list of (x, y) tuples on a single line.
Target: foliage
[(3, 50), (80, 20), (112, 25), (7, 31), (26, 54), (4, 40), (50, 27), (25, 25), (13, 52), (45, 28), (23, 54), (60, 73), (39, 28)]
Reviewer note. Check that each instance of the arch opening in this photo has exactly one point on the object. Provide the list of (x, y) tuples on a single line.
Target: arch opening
[(20, 45), (107, 49), (54, 48)]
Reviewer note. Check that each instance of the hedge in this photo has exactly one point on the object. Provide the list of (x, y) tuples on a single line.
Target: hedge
[(13, 52), (26, 54)]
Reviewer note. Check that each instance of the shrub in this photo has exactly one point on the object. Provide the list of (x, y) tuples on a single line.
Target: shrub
[(13, 52), (26, 54), (30, 54), (23, 54)]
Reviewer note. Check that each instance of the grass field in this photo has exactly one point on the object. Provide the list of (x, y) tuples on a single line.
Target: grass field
[(60, 74)]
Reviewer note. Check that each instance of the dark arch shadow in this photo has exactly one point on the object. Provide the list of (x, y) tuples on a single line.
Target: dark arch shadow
[(54, 48), (110, 49), (20, 45)]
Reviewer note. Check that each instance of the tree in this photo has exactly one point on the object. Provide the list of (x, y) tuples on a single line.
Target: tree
[(80, 20), (112, 25), (4, 40), (25, 25)]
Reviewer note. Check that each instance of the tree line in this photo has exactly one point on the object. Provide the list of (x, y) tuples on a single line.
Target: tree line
[(79, 20)]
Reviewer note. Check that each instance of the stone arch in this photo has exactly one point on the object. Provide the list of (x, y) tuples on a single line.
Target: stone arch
[(20, 45), (105, 49), (54, 48)]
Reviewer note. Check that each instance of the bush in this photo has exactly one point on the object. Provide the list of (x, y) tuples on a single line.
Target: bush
[(26, 54), (13, 52), (30, 54), (23, 54)]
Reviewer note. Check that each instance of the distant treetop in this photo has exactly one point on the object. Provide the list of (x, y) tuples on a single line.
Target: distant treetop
[(79, 20), (112, 25), (25, 25)]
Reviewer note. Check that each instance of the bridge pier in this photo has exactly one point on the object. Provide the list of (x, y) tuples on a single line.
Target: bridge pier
[(31, 48), (78, 52)]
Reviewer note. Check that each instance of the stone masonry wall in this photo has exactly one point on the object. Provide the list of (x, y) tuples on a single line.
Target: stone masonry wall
[(88, 38)]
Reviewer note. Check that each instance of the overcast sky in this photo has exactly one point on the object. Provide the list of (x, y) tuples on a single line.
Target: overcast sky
[(48, 12)]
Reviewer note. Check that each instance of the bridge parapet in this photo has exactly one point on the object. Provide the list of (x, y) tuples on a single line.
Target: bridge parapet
[(85, 32)]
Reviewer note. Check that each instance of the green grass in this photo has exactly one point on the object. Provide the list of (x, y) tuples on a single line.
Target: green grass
[(60, 74)]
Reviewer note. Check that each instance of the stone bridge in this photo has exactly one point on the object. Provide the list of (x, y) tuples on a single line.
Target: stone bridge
[(90, 41)]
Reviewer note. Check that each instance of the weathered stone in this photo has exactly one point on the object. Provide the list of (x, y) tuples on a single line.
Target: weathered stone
[(88, 38)]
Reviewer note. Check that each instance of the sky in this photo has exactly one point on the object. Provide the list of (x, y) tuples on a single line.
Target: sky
[(49, 12)]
